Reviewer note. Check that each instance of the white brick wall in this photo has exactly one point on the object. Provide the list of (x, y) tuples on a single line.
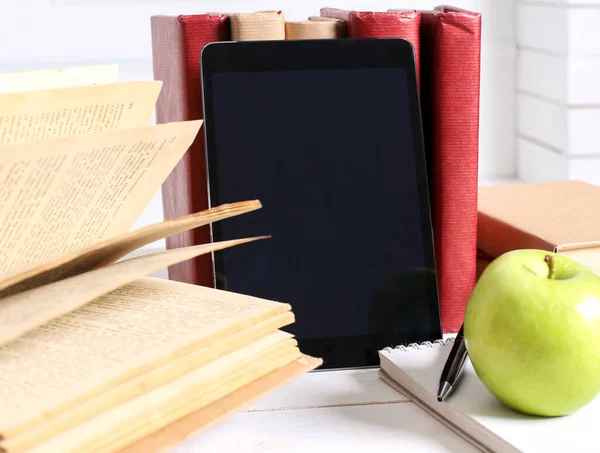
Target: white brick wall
[(558, 90)]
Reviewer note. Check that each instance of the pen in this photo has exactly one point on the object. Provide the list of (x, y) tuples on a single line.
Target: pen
[(453, 367)]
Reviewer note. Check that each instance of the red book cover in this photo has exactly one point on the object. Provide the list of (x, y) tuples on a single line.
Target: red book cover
[(404, 24), (450, 80), (391, 24), (176, 45)]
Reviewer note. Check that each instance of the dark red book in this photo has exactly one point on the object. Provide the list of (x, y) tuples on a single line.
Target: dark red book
[(405, 24), (176, 45), (450, 79), (391, 24)]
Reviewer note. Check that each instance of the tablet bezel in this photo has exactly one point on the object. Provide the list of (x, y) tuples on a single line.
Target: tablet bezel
[(249, 56)]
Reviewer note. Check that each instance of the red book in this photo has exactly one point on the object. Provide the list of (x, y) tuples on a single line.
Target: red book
[(391, 24), (450, 79), (176, 45), (405, 24)]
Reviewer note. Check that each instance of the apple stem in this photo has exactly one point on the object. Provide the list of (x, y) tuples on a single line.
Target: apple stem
[(550, 262)]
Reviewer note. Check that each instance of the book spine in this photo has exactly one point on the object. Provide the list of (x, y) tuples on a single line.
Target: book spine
[(391, 24), (259, 26), (450, 78), (316, 28), (176, 45), (336, 13)]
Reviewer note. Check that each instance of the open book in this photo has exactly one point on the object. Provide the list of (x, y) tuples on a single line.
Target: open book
[(475, 414), (94, 355)]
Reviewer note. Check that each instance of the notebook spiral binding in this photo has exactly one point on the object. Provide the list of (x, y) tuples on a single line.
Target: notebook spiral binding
[(425, 344)]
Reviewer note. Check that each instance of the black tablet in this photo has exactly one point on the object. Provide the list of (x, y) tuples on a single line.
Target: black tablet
[(327, 135)]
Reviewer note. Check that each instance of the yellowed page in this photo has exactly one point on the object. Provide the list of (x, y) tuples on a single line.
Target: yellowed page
[(113, 339), (153, 410), (71, 192), (34, 116), (110, 250), (25, 311), (48, 79), (166, 439), (131, 389)]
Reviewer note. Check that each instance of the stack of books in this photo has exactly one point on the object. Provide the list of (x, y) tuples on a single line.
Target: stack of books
[(447, 44), (94, 355)]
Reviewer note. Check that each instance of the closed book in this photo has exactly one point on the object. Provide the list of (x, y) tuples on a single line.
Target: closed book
[(450, 82), (371, 24), (315, 27), (391, 24), (259, 26), (556, 216), (176, 45)]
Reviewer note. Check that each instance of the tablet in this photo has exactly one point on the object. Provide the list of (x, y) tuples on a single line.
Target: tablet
[(327, 135)]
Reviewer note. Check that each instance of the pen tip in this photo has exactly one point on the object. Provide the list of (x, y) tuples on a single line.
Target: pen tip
[(445, 388)]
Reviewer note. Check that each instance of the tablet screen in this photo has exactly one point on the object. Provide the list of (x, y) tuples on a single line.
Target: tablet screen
[(331, 155)]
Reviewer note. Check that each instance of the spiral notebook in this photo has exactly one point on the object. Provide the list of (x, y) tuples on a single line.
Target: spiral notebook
[(476, 415)]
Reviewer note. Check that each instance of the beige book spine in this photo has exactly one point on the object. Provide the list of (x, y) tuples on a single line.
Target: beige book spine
[(259, 26), (315, 28), (336, 13)]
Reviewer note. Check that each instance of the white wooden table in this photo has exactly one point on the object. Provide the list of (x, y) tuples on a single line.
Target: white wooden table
[(346, 411)]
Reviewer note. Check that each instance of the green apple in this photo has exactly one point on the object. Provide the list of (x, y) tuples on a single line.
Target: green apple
[(532, 332)]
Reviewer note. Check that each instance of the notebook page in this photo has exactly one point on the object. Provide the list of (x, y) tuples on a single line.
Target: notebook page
[(458, 421), (576, 432)]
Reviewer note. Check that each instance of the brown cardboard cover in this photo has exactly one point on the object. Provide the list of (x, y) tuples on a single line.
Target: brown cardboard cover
[(555, 216), (262, 25)]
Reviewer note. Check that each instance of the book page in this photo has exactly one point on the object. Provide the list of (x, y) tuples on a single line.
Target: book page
[(69, 193), (34, 116), (25, 311), (131, 389), (155, 409), (115, 338), (110, 250), (48, 79)]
